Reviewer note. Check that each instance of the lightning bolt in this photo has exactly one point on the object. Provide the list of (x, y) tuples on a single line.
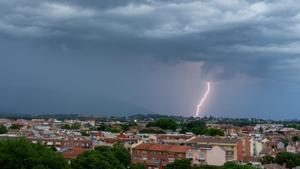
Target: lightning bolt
[(203, 99)]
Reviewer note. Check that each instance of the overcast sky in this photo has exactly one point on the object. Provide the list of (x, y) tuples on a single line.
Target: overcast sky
[(119, 57)]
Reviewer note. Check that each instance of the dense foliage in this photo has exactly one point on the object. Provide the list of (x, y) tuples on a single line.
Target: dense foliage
[(3, 129), (137, 166), (126, 126), (103, 158), (163, 123), (295, 126), (289, 159), (180, 164), (22, 154), (74, 126), (186, 164), (15, 127), (198, 127), (109, 128), (296, 138), (267, 159), (85, 133)]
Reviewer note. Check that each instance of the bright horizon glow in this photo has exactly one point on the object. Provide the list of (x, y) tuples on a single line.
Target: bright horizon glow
[(203, 99)]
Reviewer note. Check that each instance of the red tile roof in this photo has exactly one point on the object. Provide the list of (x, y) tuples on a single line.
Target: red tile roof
[(162, 147), (74, 153)]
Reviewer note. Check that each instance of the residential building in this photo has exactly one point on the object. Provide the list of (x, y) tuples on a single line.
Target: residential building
[(157, 156), (256, 146), (236, 149)]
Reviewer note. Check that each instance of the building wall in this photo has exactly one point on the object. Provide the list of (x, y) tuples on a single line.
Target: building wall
[(198, 156), (230, 148), (216, 156), (155, 158), (255, 147), (239, 150), (246, 150), (63, 143)]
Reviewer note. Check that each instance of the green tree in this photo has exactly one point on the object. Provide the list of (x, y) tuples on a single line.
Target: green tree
[(163, 123), (75, 126), (84, 133), (3, 129), (66, 126), (295, 138), (126, 126), (22, 154), (195, 126), (267, 159), (137, 166), (15, 127), (213, 132), (96, 160), (180, 164), (103, 158), (289, 159), (114, 130), (122, 154), (232, 165), (198, 127)]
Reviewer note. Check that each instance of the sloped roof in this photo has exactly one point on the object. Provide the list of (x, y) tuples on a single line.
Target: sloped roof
[(74, 153), (162, 147), (214, 140)]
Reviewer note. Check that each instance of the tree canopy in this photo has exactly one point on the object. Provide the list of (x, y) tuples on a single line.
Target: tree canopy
[(180, 164), (289, 159), (198, 127), (22, 154), (163, 123), (267, 159), (104, 158), (3, 129), (137, 166), (15, 127), (74, 126)]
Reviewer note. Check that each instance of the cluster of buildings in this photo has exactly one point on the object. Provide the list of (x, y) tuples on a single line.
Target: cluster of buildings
[(240, 144)]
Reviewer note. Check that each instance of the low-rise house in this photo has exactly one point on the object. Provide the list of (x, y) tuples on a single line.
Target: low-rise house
[(236, 149), (291, 148), (157, 156), (174, 139), (71, 142), (198, 156)]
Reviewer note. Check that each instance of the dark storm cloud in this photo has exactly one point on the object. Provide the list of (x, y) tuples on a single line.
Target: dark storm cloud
[(229, 39), (230, 34)]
